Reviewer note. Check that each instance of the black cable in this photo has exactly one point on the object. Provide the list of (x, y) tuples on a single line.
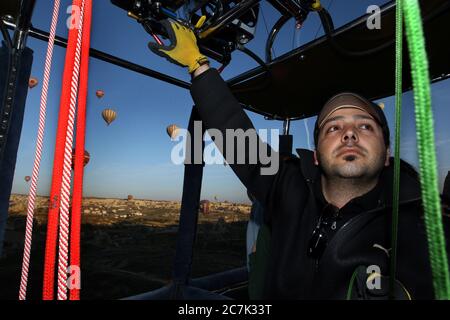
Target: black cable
[(328, 26), (320, 24), (5, 34), (267, 30), (273, 33)]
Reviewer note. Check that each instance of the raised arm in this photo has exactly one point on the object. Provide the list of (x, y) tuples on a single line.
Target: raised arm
[(256, 164), (253, 161)]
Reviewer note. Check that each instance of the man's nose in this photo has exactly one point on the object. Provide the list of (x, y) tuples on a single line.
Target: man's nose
[(350, 135)]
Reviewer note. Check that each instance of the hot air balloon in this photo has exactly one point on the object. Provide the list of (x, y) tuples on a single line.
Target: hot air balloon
[(27, 178), (86, 159), (173, 131), (100, 93), (204, 206), (381, 104), (109, 116), (33, 82), (130, 197)]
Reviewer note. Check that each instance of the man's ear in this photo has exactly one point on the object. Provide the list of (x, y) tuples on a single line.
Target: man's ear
[(316, 162), (388, 155)]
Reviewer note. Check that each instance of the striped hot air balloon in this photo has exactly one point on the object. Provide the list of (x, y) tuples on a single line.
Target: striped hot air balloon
[(109, 116)]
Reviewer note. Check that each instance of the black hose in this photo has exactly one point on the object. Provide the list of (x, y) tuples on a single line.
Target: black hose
[(5, 34), (328, 26), (273, 33)]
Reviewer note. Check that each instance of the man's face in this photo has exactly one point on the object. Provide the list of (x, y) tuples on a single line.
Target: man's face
[(351, 146)]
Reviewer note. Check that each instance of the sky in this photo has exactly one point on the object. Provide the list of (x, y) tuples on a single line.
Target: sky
[(132, 155)]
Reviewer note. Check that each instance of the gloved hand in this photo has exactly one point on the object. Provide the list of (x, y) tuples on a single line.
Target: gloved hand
[(183, 48)]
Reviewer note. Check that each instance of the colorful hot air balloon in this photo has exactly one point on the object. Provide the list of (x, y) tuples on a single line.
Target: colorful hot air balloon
[(27, 178), (100, 93), (33, 82), (173, 131), (86, 159), (109, 116)]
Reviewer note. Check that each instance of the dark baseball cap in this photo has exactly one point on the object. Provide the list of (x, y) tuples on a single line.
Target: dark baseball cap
[(352, 100)]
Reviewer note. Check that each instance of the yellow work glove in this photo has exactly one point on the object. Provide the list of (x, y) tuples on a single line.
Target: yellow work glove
[(183, 49)]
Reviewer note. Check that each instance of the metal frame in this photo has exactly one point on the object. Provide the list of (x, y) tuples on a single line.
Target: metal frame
[(16, 47), (237, 11), (103, 56), (12, 105), (258, 70)]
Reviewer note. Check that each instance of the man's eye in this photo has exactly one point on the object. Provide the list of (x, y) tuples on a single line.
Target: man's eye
[(332, 128), (366, 127)]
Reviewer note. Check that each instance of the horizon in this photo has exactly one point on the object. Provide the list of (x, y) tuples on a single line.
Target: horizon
[(138, 199)]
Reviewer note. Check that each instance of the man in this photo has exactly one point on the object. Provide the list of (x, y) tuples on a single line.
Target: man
[(328, 212)]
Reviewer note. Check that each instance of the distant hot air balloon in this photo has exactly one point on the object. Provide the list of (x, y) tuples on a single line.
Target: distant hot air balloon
[(86, 159), (130, 197), (381, 104), (173, 131), (109, 116), (33, 82), (100, 93), (27, 178), (204, 206)]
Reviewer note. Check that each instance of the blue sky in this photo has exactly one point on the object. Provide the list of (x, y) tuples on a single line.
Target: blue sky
[(132, 156)]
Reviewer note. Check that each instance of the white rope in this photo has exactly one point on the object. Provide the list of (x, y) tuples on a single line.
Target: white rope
[(37, 155)]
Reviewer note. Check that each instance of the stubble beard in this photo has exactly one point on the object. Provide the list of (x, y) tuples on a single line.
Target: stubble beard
[(354, 168)]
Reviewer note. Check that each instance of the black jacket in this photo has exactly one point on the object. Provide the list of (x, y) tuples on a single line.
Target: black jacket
[(292, 200)]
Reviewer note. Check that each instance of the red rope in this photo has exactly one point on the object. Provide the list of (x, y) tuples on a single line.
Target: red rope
[(63, 257), (79, 153), (38, 154), (55, 191)]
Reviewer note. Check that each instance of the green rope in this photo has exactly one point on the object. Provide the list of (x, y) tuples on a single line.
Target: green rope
[(398, 116), (351, 284), (426, 148)]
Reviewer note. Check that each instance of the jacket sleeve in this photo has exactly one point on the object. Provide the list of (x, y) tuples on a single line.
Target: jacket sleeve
[(220, 110)]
